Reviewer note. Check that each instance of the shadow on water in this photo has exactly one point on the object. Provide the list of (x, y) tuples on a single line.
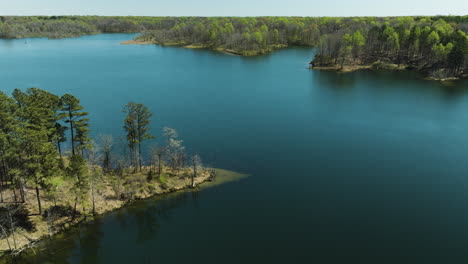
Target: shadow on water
[(365, 167), (337, 81), (83, 244), (388, 81), (137, 224)]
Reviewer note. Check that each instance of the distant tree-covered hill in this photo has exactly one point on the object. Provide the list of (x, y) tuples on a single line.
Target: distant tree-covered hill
[(436, 45)]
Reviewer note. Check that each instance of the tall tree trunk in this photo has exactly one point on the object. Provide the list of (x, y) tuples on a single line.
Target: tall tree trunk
[(139, 153), (21, 188), (159, 165), (12, 226), (71, 131), (38, 199), (74, 208), (59, 149), (14, 194), (194, 172), (6, 237), (92, 194), (2, 177), (106, 161), (135, 159)]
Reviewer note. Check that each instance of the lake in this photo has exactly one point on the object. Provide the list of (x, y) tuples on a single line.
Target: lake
[(365, 167)]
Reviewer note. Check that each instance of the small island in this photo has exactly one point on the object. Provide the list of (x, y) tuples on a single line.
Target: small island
[(46, 188)]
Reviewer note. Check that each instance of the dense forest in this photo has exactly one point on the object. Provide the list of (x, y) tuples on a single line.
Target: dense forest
[(74, 26), (52, 173), (436, 45), (243, 36)]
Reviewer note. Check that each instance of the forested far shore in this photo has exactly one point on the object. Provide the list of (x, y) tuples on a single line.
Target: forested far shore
[(438, 47), (53, 174), (435, 45)]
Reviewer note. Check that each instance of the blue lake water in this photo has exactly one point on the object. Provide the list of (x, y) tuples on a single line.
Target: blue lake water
[(365, 167)]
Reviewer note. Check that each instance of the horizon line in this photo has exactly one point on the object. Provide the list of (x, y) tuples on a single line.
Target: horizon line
[(202, 16)]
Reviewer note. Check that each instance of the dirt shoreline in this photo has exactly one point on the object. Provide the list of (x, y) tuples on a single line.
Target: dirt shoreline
[(136, 42), (385, 67), (105, 204), (246, 53)]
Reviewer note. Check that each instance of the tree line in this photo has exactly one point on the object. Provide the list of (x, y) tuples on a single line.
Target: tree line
[(432, 45), (33, 129), (436, 45), (74, 26), (245, 35), (46, 148)]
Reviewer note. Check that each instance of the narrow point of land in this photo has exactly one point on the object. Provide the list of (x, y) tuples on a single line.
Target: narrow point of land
[(186, 45), (136, 42), (54, 175)]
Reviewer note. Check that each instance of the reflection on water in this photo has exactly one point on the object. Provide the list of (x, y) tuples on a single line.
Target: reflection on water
[(82, 244), (363, 167), (142, 220)]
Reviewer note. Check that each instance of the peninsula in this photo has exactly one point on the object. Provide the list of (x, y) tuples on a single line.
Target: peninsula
[(54, 175)]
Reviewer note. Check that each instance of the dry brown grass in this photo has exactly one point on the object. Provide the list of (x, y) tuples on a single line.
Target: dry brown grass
[(137, 42), (106, 199)]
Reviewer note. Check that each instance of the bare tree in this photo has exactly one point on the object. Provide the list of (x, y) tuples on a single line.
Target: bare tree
[(157, 156), (106, 143), (175, 149), (196, 163), (94, 170)]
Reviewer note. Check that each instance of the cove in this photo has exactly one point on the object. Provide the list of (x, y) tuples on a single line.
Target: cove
[(365, 167)]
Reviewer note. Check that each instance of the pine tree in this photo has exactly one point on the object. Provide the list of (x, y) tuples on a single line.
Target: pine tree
[(37, 114), (77, 171), (136, 125), (79, 125)]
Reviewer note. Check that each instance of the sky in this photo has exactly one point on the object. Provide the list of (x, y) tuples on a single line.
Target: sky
[(235, 7)]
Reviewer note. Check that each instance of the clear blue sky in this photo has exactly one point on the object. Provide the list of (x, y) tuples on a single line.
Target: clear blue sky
[(235, 7)]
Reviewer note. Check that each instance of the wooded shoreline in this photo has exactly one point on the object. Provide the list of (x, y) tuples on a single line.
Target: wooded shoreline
[(27, 242), (382, 67), (245, 53), (436, 46), (54, 175)]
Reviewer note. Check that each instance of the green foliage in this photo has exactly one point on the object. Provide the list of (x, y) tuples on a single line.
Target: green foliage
[(77, 171), (246, 35), (53, 186), (32, 126), (79, 124), (433, 39), (398, 38), (136, 125), (429, 44)]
